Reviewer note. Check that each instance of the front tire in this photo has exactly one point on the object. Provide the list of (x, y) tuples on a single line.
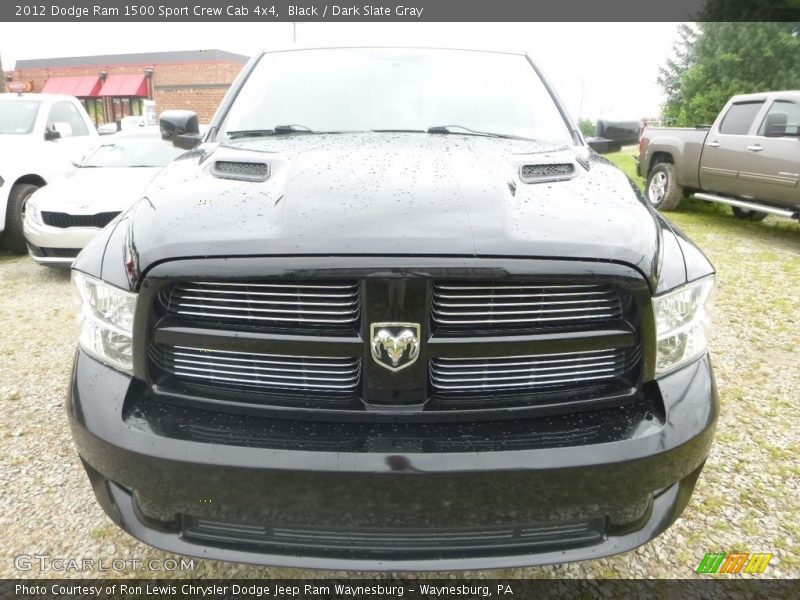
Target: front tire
[(13, 237), (662, 188), (748, 215)]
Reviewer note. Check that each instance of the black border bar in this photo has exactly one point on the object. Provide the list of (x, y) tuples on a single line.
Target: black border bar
[(372, 11)]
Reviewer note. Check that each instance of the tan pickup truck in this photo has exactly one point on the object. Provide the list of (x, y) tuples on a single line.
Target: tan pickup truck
[(749, 158)]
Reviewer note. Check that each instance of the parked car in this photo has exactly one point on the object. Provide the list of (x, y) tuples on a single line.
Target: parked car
[(125, 124), (419, 325), (64, 216), (748, 158), (40, 136)]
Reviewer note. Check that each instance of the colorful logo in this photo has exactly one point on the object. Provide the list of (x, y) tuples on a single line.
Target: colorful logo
[(735, 562)]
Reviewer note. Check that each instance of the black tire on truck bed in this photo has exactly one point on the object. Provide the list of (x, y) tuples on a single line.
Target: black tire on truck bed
[(13, 239), (662, 189)]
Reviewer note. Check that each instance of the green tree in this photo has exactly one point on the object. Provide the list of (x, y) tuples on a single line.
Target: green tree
[(715, 60), (587, 127)]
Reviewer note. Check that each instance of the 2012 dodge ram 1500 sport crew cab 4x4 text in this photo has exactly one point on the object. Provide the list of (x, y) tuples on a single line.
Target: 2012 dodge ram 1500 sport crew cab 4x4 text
[(749, 158), (392, 313)]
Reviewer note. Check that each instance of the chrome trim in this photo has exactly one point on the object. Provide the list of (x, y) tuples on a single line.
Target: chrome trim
[(267, 372), (306, 304), (509, 303), (531, 371)]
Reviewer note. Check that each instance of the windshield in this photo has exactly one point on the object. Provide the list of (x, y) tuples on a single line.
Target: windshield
[(389, 89), (139, 151), (18, 116)]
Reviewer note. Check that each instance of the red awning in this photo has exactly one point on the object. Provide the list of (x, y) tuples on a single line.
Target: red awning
[(125, 85), (83, 87)]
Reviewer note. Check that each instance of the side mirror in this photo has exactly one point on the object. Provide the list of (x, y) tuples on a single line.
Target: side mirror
[(603, 146), (51, 134), (180, 127)]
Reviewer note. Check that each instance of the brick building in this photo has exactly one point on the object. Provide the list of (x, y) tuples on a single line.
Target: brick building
[(116, 86)]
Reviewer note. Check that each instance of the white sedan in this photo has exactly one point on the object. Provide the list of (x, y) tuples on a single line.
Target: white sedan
[(62, 217)]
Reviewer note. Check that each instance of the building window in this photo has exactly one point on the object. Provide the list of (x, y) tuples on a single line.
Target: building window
[(94, 107), (126, 107)]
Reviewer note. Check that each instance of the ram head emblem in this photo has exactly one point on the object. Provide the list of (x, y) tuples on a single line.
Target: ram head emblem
[(395, 346)]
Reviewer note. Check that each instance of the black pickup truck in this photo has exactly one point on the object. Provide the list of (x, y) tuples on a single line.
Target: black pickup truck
[(392, 313)]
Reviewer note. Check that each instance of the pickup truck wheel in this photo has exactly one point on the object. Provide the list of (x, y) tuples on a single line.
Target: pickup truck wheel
[(13, 238), (748, 215), (663, 190)]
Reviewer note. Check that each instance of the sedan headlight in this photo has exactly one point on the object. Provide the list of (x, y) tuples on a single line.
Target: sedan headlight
[(33, 213), (683, 322), (105, 315)]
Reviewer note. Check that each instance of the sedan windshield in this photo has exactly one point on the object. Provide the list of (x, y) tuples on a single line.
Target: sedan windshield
[(135, 151), (18, 116), (345, 90)]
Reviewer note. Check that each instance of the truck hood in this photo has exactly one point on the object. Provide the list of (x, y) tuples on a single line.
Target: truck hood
[(88, 191), (395, 194)]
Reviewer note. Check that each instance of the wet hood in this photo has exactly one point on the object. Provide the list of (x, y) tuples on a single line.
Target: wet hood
[(88, 191), (395, 194)]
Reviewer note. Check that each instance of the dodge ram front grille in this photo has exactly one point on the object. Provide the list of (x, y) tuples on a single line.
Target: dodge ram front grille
[(269, 304), (65, 220), (263, 373), (511, 373), (486, 306), (302, 342)]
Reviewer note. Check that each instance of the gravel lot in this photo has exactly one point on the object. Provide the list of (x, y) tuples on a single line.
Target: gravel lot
[(746, 499)]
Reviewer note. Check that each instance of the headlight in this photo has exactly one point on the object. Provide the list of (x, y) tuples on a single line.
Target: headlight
[(105, 315), (683, 322), (33, 213)]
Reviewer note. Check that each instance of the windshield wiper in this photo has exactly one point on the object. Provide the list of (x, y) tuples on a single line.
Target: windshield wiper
[(278, 130), (293, 129), (462, 130)]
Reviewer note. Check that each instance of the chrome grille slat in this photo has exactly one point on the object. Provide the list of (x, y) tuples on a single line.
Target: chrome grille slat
[(230, 359), (518, 286), (508, 386), (272, 310), (504, 304), (262, 385), (480, 307), (352, 286), (300, 306), (218, 368), (530, 320), (539, 369), (521, 295), (278, 294), (482, 375), (477, 313), (252, 317), (240, 371), (492, 376), (351, 303)]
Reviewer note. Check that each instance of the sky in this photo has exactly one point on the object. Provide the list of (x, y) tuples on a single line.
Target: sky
[(600, 70)]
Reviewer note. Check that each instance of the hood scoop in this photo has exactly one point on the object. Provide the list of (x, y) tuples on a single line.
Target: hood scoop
[(241, 170), (540, 173)]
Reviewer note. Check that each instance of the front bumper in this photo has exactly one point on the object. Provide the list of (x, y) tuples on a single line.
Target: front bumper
[(396, 506), (56, 246)]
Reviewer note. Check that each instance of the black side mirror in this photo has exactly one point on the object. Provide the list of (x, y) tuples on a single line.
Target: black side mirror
[(180, 127), (603, 146), (51, 134)]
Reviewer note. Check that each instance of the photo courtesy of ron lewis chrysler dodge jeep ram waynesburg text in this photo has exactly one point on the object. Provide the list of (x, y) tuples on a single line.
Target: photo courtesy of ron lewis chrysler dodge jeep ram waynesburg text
[(419, 325)]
